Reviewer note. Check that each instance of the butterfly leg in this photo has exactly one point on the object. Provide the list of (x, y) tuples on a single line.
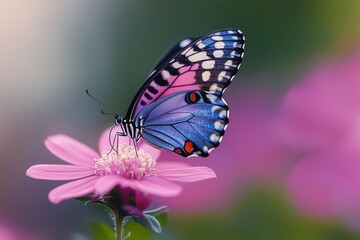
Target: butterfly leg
[(136, 148), (114, 143)]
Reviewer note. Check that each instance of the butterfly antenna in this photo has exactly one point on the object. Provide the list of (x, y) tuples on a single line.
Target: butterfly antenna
[(97, 100), (106, 113)]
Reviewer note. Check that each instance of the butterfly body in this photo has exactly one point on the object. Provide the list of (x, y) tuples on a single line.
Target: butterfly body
[(180, 107)]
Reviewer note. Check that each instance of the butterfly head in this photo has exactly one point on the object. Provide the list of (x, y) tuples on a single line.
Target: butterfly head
[(118, 119)]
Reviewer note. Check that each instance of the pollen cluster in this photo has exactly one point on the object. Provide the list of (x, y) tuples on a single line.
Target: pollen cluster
[(127, 162)]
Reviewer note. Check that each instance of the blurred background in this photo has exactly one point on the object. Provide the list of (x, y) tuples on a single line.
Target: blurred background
[(289, 165)]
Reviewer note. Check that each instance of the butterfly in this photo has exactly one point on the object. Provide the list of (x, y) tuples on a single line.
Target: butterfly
[(180, 106)]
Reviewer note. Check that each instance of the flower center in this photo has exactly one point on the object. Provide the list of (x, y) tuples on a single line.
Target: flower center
[(126, 163)]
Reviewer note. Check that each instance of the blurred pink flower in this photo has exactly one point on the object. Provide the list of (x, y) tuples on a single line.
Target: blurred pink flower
[(320, 109), (321, 116), (100, 173), (326, 183), (7, 233), (249, 153)]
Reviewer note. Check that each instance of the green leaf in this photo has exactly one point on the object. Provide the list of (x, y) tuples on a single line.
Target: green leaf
[(157, 211), (101, 231), (149, 222), (145, 228)]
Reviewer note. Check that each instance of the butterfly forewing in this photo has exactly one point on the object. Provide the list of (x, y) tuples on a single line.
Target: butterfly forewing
[(208, 64), (172, 51)]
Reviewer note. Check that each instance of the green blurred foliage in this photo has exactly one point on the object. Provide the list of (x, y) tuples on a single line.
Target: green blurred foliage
[(262, 213), (281, 36), (101, 231)]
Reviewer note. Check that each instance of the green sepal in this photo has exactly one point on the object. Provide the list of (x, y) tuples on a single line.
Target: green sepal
[(157, 211), (143, 228), (149, 222)]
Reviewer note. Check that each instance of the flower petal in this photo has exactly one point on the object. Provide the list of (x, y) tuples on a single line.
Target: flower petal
[(158, 186), (73, 189), (171, 164), (106, 183), (59, 172), (150, 185), (71, 150), (154, 152), (186, 174), (105, 138)]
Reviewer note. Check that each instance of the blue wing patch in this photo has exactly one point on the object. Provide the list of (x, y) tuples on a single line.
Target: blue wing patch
[(187, 123)]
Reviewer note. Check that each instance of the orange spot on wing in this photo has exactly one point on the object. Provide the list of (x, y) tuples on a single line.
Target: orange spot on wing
[(193, 97), (189, 147), (177, 150)]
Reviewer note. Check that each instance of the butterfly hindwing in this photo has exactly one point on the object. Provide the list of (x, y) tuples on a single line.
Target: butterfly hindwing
[(207, 63), (187, 122)]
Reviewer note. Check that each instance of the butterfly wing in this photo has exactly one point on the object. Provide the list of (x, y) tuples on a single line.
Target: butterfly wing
[(208, 63), (186, 122), (172, 50)]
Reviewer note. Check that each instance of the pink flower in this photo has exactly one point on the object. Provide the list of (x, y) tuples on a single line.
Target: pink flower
[(326, 183), (320, 109), (322, 117), (94, 173)]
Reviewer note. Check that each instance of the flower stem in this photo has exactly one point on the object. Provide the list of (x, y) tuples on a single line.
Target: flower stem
[(120, 226), (118, 222)]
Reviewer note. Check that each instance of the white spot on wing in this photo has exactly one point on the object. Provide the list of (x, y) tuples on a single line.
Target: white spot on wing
[(205, 149), (222, 113), (201, 45), (184, 43), (223, 75), (201, 56), (214, 138), (215, 88), (218, 53), (205, 75), (219, 45), (165, 74), (237, 45), (208, 64), (215, 109), (234, 53), (217, 38), (177, 65), (228, 64), (211, 97), (219, 125)]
